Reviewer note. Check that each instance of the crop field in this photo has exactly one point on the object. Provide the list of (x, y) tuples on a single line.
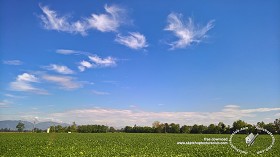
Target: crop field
[(125, 144)]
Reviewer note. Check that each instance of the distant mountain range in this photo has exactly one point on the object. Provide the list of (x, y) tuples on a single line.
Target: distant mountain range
[(11, 124)]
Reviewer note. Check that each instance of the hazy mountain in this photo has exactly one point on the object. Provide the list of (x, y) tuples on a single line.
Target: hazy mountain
[(11, 124), (46, 125)]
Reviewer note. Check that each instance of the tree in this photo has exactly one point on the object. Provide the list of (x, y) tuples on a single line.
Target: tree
[(73, 127), (222, 128), (277, 125), (128, 129), (227, 130), (37, 130), (251, 129), (20, 126), (212, 129), (52, 129), (156, 124), (270, 127), (261, 124), (166, 128), (202, 129), (157, 127), (238, 125), (59, 129), (174, 128), (185, 129), (112, 129), (194, 129)]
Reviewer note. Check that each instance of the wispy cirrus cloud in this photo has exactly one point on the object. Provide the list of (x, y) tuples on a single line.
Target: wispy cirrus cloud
[(96, 92), (102, 62), (24, 83), (5, 103), (97, 62), (94, 61), (123, 117), (13, 96), (62, 69), (110, 21), (187, 32), (65, 51), (52, 21), (65, 82), (13, 62), (134, 40), (83, 65)]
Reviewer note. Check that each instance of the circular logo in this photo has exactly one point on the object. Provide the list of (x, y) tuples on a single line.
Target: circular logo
[(251, 143)]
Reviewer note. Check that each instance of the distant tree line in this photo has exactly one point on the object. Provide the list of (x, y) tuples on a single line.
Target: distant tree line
[(158, 127), (221, 128), (81, 128)]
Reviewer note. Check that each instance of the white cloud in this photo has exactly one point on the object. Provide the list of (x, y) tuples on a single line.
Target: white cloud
[(97, 62), (13, 62), (99, 92), (108, 22), (65, 52), (53, 21), (83, 65), (102, 62), (24, 83), (86, 64), (22, 86), (260, 110), (5, 103), (122, 117), (60, 69), (94, 62), (64, 82), (134, 41), (27, 77), (13, 96), (186, 32), (81, 68)]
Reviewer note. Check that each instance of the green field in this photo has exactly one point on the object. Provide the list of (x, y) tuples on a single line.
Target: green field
[(125, 144)]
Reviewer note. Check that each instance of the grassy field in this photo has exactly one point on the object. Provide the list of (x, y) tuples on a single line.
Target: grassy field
[(124, 144)]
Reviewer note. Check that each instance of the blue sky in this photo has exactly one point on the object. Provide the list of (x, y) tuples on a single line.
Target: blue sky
[(134, 62)]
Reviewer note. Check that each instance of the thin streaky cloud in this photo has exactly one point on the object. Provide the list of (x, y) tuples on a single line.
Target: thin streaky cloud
[(13, 96), (123, 117), (134, 40), (5, 103), (103, 62), (64, 82), (96, 92), (94, 60), (52, 21), (24, 83), (13, 62), (187, 32), (72, 52), (65, 51), (62, 69)]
